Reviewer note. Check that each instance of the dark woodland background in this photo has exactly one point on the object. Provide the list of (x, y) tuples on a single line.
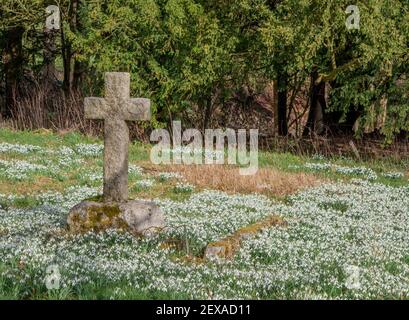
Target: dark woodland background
[(288, 67)]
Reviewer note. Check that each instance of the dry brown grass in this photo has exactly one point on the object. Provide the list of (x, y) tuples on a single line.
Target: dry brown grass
[(268, 181), (51, 108), (27, 187)]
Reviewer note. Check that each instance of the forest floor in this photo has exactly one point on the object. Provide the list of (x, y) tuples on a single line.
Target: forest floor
[(346, 231)]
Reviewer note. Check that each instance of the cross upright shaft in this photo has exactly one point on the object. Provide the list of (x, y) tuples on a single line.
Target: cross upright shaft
[(115, 109)]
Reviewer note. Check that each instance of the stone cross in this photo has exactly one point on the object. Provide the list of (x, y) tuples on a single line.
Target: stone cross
[(115, 109)]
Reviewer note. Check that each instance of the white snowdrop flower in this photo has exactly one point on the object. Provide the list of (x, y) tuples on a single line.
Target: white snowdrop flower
[(318, 156), (393, 175), (359, 171), (183, 187), (65, 151), (165, 176), (145, 183), (188, 151), (89, 150), (135, 170), (18, 148), (318, 166), (19, 169), (93, 176)]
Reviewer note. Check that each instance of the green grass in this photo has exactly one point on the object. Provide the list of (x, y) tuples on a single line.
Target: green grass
[(44, 138), (73, 175), (117, 291), (285, 162), (139, 153)]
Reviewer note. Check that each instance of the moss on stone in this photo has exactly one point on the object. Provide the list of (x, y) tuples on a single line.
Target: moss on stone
[(103, 217), (109, 210), (97, 217), (227, 247), (98, 198)]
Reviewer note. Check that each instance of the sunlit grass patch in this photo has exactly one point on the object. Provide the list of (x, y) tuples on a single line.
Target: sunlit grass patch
[(268, 181), (40, 184), (44, 138)]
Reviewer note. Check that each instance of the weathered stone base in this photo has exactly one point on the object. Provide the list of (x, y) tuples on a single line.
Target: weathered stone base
[(140, 218), (226, 248)]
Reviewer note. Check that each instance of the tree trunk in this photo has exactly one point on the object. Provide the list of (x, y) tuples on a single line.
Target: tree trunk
[(315, 123), (67, 52), (281, 114), (13, 68), (207, 114), (66, 58), (78, 74), (49, 55)]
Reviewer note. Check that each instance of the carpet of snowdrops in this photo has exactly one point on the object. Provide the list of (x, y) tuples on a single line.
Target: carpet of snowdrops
[(344, 240)]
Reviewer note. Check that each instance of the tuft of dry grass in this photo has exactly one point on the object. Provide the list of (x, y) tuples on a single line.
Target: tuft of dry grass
[(269, 181), (51, 108), (28, 187)]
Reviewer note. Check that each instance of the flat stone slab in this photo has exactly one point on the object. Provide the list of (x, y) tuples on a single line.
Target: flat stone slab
[(226, 248), (141, 218)]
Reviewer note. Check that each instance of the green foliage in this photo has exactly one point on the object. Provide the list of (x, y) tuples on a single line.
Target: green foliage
[(178, 53), (188, 55), (378, 79)]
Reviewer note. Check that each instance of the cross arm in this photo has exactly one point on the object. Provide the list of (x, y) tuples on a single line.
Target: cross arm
[(137, 109), (95, 108)]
